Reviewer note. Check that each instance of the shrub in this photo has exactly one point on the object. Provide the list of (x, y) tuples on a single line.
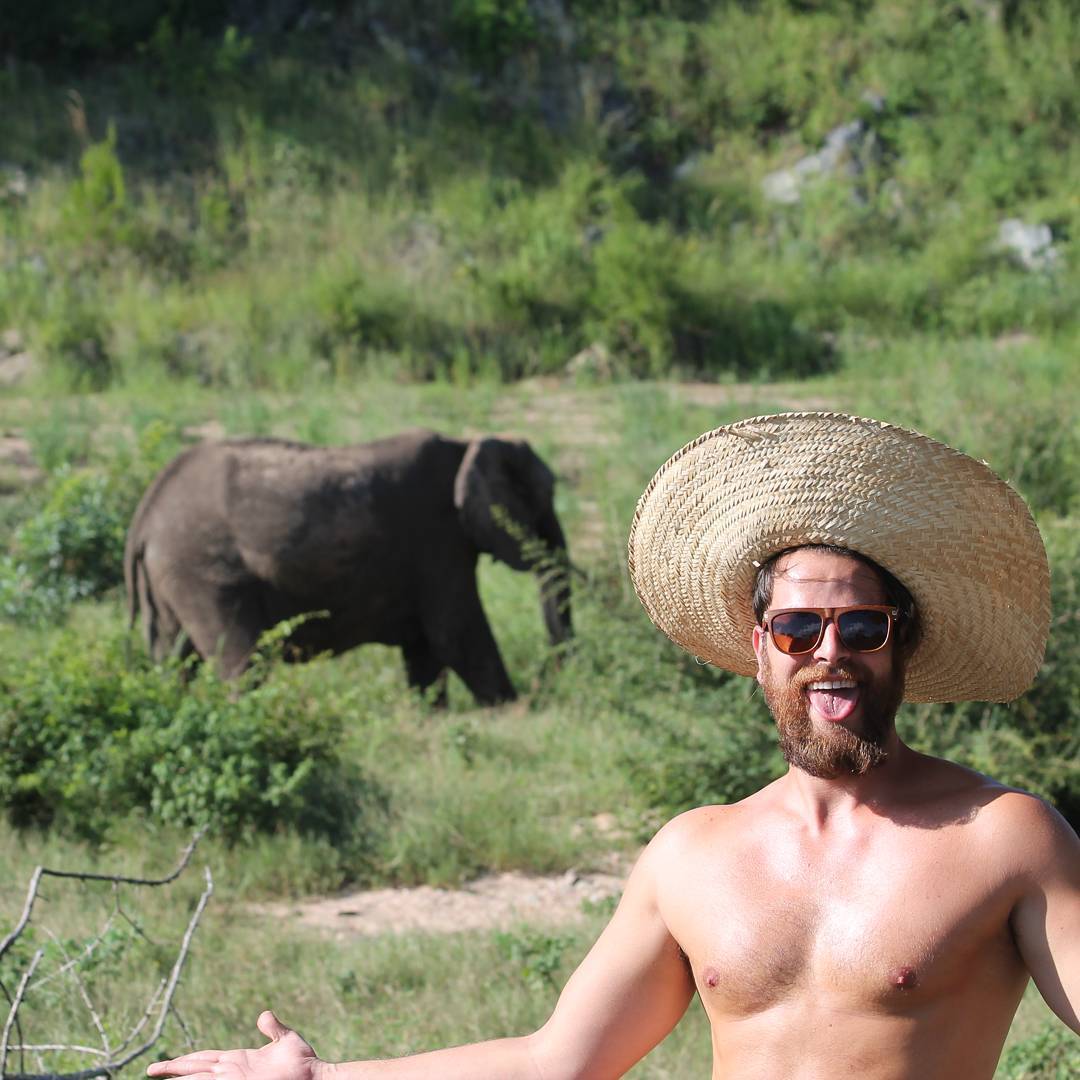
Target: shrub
[(369, 316), (73, 547), (1034, 742), (91, 733), (75, 336), (687, 734), (718, 746), (489, 32), (70, 31), (1053, 1054), (97, 207)]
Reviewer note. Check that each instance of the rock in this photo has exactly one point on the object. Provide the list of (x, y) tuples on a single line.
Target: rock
[(16, 363), (1032, 246), (14, 183), (781, 187), (872, 98), (689, 167), (845, 149), (592, 234)]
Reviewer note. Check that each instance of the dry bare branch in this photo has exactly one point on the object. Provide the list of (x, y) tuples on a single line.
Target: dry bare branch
[(84, 993), (13, 1012), (160, 1006)]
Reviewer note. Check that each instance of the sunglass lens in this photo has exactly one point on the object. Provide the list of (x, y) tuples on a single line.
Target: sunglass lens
[(864, 631), (796, 631)]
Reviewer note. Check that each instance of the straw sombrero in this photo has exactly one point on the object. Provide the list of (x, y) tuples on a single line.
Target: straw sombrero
[(960, 539)]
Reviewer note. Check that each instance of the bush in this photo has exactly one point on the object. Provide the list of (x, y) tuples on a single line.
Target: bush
[(719, 748), (687, 734), (1053, 1054), (71, 31), (97, 207), (91, 734), (73, 547), (75, 336), (1034, 742), (490, 32)]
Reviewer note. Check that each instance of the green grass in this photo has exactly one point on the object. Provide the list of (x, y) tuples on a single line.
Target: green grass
[(627, 726)]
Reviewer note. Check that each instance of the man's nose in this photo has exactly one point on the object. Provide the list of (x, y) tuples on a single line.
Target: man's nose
[(831, 647)]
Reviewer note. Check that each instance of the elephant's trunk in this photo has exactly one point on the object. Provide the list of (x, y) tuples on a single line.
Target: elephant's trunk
[(553, 570)]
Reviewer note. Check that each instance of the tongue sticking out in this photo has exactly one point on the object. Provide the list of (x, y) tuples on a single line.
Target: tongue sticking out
[(834, 705)]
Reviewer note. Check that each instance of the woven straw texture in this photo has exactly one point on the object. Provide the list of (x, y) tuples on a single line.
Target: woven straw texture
[(960, 539)]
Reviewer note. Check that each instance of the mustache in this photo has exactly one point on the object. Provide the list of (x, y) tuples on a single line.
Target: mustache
[(803, 678)]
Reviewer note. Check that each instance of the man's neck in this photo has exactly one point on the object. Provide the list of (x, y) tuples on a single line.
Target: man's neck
[(822, 802)]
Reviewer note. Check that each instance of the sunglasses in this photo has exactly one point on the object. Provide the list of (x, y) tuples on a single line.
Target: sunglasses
[(862, 627)]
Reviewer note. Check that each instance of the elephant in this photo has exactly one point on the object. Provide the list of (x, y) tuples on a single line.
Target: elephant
[(381, 539)]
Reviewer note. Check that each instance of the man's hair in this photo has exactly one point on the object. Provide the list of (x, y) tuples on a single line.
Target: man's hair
[(896, 593)]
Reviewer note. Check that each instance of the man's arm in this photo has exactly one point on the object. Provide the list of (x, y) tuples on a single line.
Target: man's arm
[(1046, 919), (625, 996)]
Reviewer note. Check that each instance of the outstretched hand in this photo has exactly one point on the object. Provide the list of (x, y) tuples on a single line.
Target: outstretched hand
[(287, 1056)]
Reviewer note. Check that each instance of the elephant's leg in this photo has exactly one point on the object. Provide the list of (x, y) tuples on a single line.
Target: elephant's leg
[(164, 635), (460, 634), (221, 623), (424, 669)]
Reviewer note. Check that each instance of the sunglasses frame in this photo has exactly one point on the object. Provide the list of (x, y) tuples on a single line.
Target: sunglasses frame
[(830, 615)]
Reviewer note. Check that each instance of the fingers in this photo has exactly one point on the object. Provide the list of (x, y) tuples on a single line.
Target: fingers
[(191, 1065), (202, 1065), (188, 1076), (271, 1026)]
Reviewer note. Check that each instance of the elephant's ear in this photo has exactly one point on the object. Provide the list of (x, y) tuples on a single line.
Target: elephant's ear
[(503, 491)]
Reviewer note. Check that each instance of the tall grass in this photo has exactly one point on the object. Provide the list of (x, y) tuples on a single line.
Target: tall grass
[(320, 205)]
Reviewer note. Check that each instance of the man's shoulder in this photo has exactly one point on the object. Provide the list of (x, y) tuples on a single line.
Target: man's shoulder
[(1014, 825), (703, 826), (1018, 817), (938, 779)]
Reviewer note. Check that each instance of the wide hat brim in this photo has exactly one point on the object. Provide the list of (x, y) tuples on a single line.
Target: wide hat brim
[(958, 536)]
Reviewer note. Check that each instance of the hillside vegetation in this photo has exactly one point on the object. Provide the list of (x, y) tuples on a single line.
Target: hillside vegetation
[(604, 226), (434, 189)]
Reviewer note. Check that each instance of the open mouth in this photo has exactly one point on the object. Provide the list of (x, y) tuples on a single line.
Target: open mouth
[(833, 699)]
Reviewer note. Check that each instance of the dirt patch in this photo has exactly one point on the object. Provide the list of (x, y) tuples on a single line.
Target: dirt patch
[(495, 902)]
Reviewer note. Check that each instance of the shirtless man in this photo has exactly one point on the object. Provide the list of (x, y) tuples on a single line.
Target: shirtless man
[(874, 912)]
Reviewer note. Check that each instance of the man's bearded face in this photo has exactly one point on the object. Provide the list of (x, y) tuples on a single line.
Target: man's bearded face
[(836, 750)]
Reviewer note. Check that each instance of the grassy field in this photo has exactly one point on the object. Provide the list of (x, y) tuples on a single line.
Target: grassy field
[(627, 727)]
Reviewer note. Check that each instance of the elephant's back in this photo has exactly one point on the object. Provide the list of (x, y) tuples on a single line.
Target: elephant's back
[(305, 517), (292, 514), (177, 482)]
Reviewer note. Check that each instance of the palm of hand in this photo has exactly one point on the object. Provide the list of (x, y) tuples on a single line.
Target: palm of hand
[(288, 1056)]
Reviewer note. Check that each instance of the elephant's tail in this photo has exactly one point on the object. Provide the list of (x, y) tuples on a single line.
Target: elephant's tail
[(134, 569)]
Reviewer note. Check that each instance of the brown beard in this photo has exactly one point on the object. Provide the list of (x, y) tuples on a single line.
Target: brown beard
[(837, 751)]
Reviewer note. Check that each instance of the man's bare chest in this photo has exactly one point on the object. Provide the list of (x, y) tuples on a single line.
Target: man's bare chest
[(889, 932)]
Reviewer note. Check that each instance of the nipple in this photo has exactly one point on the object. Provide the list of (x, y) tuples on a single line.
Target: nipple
[(905, 978), (712, 978)]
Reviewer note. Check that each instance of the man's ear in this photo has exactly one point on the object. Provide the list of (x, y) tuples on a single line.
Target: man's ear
[(760, 640)]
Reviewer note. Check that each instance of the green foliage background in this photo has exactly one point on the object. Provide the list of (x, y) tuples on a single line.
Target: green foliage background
[(330, 221)]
